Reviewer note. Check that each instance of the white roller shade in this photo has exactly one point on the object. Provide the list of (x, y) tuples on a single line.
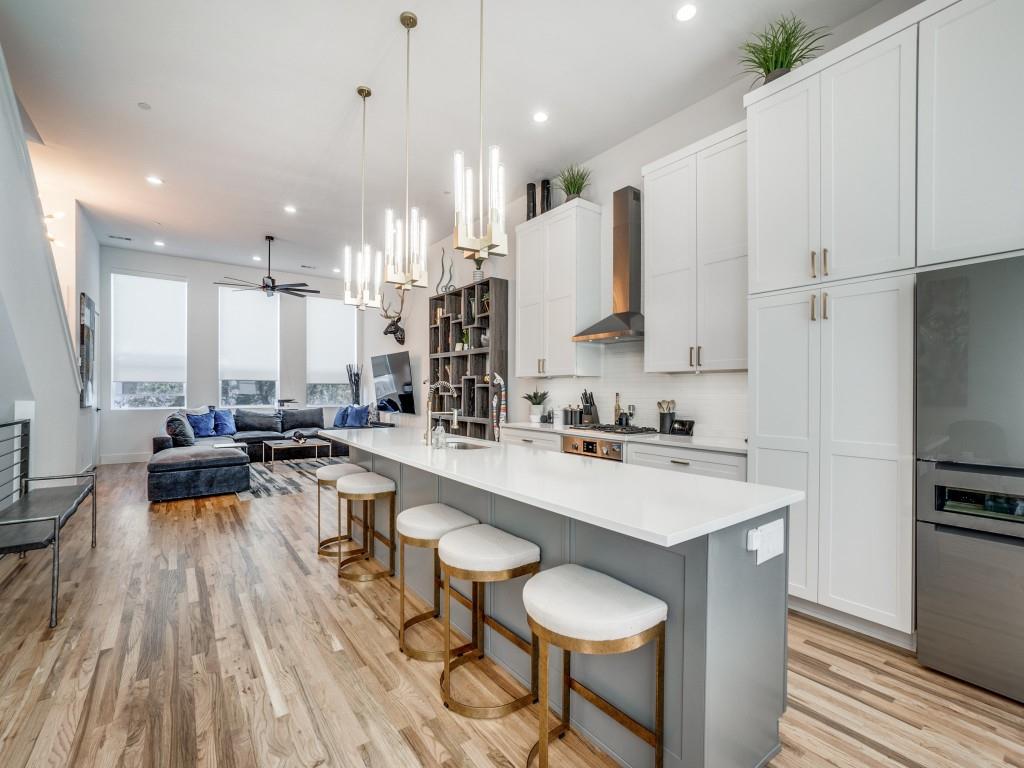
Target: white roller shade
[(330, 340), (149, 325), (248, 335)]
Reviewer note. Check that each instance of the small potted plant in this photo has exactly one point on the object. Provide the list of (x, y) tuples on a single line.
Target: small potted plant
[(573, 180), (784, 44), (536, 400)]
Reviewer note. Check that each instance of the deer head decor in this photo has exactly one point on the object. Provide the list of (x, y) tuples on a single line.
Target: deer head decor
[(394, 328)]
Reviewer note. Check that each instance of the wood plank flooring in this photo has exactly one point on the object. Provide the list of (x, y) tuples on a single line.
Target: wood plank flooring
[(208, 633)]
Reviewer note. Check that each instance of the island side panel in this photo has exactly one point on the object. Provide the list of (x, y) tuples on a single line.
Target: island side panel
[(475, 503), (417, 487), (746, 668), (677, 576)]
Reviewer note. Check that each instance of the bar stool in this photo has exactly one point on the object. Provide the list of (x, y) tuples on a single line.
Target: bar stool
[(481, 554), (577, 609), (423, 526), (328, 477), (368, 487)]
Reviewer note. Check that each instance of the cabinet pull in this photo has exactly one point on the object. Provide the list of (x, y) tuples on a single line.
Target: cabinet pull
[(814, 307), (824, 261), (814, 265), (824, 306), (538, 365), (680, 462), (525, 440), (691, 357), (544, 365), (699, 348)]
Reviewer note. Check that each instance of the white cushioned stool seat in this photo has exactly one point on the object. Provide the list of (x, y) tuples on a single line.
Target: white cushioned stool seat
[(588, 605), (363, 483), (432, 521), (332, 472), (485, 548)]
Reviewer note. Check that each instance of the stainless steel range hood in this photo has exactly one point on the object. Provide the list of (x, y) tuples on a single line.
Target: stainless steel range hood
[(625, 323)]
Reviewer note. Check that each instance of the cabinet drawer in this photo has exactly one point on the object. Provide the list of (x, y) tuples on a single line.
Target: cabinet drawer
[(544, 442), (725, 465)]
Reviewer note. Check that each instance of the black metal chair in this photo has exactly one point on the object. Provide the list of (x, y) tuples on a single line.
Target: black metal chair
[(33, 519)]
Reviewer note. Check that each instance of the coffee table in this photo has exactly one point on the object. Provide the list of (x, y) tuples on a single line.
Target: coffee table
[(287, 445)]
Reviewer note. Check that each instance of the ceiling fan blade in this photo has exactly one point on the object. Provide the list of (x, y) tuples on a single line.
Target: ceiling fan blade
[(299, 294), (235, 281), (248, 288), (293, 285), (300, 290)]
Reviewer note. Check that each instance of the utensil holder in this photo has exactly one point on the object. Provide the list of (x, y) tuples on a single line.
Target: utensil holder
[(665, 422)]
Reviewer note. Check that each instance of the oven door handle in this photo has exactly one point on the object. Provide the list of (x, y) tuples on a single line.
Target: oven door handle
[(974, 533)]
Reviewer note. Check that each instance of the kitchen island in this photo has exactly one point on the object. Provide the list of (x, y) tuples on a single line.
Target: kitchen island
[(682, 538)]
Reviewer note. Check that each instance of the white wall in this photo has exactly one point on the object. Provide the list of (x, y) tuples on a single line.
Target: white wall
[(87, 281), (126, 435)]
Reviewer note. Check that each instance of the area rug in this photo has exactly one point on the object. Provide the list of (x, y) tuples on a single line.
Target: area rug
[(288, 477)]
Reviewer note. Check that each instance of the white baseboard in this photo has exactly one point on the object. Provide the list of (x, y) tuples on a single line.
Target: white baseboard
[(124, 458), (854, 624)]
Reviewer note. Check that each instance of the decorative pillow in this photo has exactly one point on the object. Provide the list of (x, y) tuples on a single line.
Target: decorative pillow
[(302, 418), (341, 417), (257, 421), (359, 416), (223, 422), (180, 430), (201, 423)]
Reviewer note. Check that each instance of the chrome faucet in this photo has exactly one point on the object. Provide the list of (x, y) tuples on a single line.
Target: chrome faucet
[(454, 412)]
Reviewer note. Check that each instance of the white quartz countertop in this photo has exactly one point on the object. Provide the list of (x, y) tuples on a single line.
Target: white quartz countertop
[(722, 444), (664, 508)]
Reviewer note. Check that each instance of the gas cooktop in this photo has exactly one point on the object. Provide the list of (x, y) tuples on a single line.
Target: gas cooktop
[(615, 429)]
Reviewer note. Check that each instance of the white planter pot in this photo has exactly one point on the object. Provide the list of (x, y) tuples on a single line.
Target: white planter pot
[(535, 413)]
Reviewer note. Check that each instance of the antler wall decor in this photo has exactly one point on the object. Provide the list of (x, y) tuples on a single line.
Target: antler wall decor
[(394, 328)]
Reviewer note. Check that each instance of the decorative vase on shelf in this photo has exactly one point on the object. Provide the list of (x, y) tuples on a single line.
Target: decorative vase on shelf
[(536, 411), (775, 74), (545, 195), (531, 200)]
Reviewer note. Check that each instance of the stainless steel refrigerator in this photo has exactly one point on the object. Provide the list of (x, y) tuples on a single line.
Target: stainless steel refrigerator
[(970, 463)]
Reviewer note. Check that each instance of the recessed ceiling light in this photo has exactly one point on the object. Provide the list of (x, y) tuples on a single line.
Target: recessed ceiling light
[(159, 243), (540, 117), (255, 257), (156, 181), (686, 12), (337, 269), (289, 209)]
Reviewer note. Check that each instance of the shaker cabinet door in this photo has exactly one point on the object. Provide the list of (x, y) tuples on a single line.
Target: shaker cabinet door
[(530, 269)]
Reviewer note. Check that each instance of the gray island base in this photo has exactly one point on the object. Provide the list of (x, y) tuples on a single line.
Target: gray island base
[(725, 666)]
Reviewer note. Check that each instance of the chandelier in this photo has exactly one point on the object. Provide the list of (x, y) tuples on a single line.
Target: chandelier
[(363, 283), (405, 240), (487, 237)]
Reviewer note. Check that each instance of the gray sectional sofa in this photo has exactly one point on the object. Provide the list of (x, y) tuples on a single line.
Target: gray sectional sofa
[(182, 471)]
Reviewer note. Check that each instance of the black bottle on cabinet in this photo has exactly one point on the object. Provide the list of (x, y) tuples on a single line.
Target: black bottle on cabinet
[(545, 195), (531, 200)]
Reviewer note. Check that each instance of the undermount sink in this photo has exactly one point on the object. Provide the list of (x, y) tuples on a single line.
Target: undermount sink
[(463, 445)]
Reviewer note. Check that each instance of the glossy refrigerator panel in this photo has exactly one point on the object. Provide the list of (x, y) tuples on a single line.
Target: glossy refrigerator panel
[(970, 364)]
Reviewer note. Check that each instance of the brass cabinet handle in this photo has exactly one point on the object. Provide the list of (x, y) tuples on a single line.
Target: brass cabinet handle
[(544, 365), (824, 261), (824, 306), (691, 357), (814, 307), (526, 440), (680, 462), (814, 265), (699, 348)]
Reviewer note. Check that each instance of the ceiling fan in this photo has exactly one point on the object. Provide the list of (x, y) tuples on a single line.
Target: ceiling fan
[(269, 285)]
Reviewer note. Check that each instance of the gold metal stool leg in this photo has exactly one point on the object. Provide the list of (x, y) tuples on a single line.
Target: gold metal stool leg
[(331, 546), (365, 551), (419, 654)]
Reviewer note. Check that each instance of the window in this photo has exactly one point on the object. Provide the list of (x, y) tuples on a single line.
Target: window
[(248, 347), (149, 323), (330, 346)]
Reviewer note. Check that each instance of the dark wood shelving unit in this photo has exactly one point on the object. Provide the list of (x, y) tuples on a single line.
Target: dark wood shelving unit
[(481, 311)]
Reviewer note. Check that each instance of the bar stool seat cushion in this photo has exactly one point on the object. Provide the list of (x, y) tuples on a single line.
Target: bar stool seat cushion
[(485, 548), (364, 483), (577, 602), (332, 472), (432, 521)]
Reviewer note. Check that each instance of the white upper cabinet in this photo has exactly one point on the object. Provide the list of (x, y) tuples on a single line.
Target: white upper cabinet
[(558, 257), (695, 257), (868, 116), (784, 188), (971, 117), (670, 267)]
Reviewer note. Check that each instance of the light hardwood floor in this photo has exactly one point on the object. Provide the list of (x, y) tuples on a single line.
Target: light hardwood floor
[(208, 633)]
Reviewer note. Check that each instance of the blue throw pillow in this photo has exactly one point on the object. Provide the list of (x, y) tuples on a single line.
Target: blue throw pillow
[(223, 422), (341, 417), (359, 416), (201, 423)]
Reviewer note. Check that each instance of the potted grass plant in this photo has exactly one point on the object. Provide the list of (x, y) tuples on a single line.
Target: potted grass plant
[(784, 44), (572, 180), (536, 400)]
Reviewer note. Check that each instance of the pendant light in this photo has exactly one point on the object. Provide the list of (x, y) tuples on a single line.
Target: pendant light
[(405, 240), (490, 239), (363, 278)]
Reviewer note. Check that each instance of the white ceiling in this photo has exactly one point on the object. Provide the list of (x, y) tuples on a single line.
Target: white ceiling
[(254, 103)]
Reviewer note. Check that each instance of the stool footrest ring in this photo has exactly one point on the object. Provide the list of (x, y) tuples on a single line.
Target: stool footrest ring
[(331, 546), (558, 732)]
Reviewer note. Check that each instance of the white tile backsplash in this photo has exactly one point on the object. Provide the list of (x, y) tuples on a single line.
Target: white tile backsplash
[(716, 401)]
